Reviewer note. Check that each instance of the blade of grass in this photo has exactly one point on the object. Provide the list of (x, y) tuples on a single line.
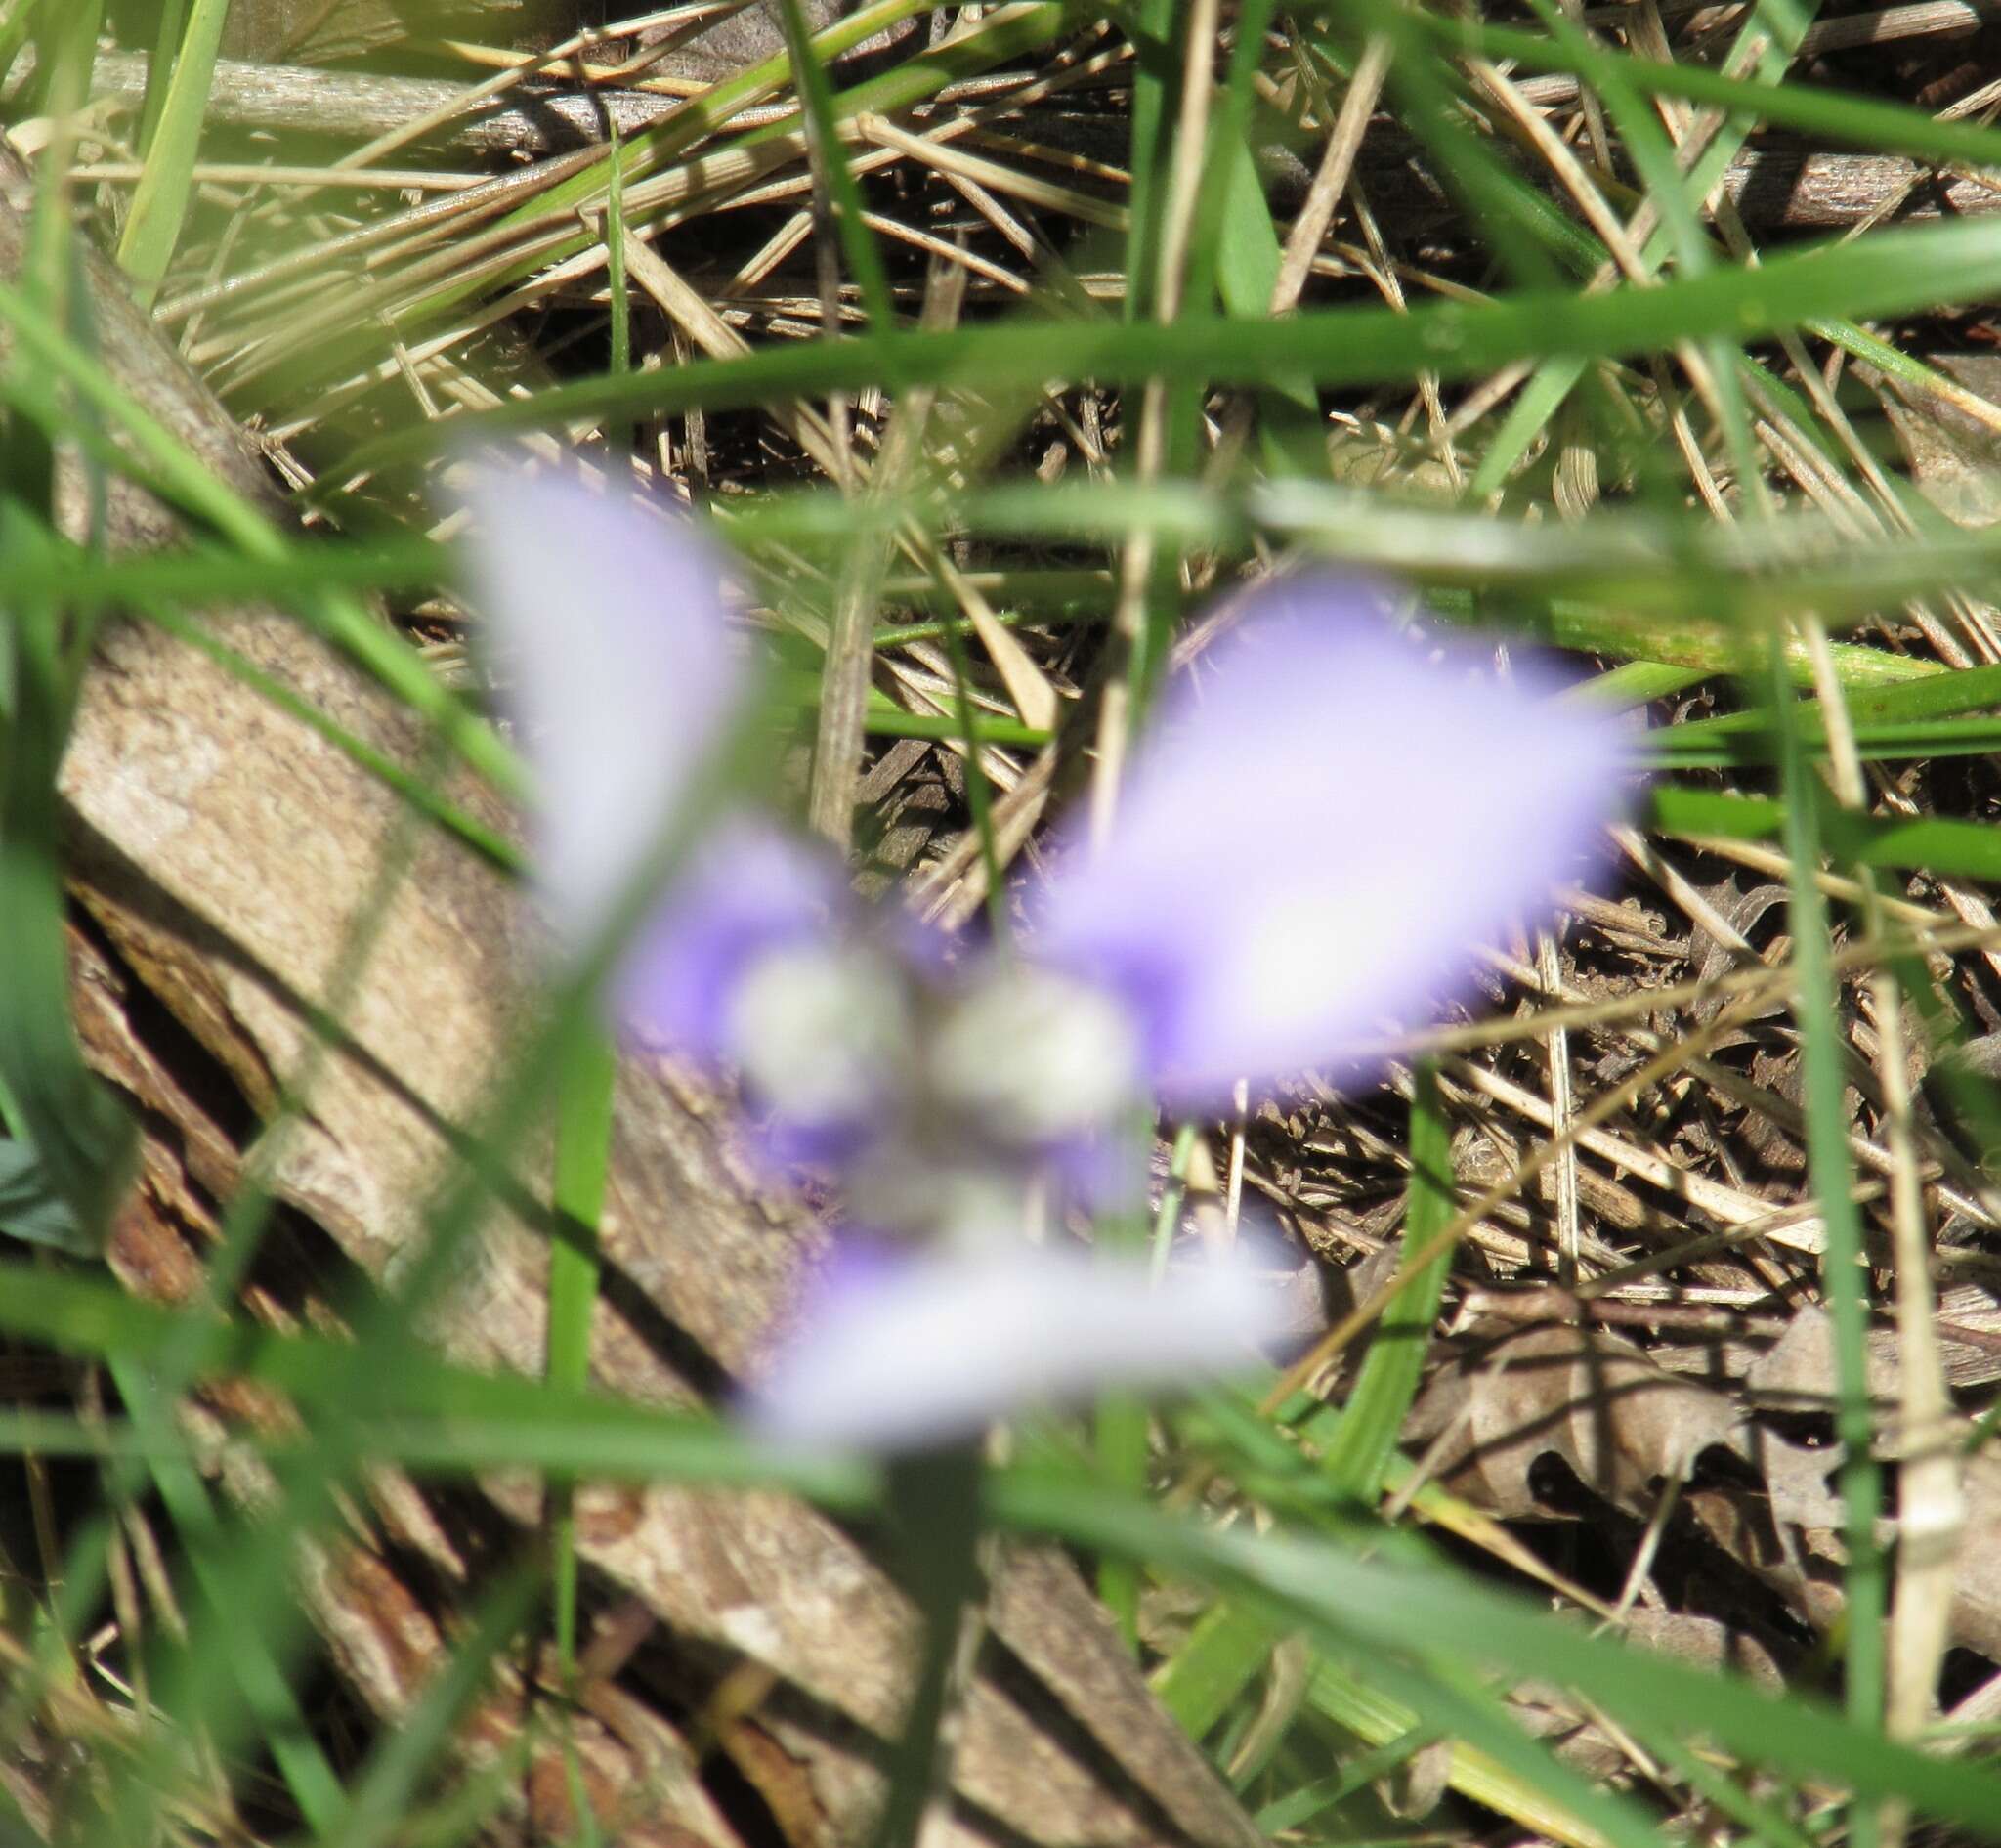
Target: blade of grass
[(1235, 252), (82, 1139), (159, 203), (1528, 417), (621, 361), (1227, 1647), (166, 42), (1743, 747), (1941, 844), (409, 1407), (830, 159), (1925, 265), (188, 484), (1003, 33), (584, 1083), (1389, 1609), (406, 1756), (309, 1777), (418, 792), (1935, 695), (1854, 120), (1347, 1698), (1300, 1806), (205, 573), (1358, 1452), (1831, 1175)]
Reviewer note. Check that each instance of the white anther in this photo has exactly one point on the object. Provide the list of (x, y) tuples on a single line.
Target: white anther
[(818, 1030), (1037, 1056)]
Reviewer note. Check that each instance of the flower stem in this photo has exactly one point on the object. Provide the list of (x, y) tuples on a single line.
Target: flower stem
[(933, 1504)]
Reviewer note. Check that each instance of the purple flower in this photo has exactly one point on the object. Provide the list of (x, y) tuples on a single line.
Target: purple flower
[(904, 1350), (1327, 820)]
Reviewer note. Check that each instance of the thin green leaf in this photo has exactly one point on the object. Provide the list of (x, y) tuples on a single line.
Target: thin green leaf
[(1227, 1646), (1843, 117), (1528, 417), (84, 1145), (404, 1405), (261, 1682), (584, 1085), (34, 1208), (1946, 845), (1740, 748), (1923, 266), (160, 201), (844, 196), (1831, 1172), (1356, 1453), (1393, 1611), (404, 1759), (191, 485)]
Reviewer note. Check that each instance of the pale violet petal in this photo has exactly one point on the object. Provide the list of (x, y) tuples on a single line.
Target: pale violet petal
[(899, 1350), (1329, 820), (750, 889), (606, 624)]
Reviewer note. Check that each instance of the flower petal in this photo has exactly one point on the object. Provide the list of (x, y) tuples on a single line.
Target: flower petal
[(749, 888), (896, 1351), (1331, 819), (620, 672)]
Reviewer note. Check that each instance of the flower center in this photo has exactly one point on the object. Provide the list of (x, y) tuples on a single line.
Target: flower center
[(1037, 1056), (818, 1030)]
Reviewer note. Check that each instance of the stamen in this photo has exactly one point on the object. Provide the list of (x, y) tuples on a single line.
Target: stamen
[(1037, 1056), (818, 1030)]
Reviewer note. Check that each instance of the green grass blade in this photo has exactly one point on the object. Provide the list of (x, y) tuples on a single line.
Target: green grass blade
[(585, 1081), (621, 361), (1742, 748), (1389, 1610), (1831, 1175), (844, 197), (82, 1142), (1361, 1444), (1224, 1651), (1842, 117), (204, 573), (1528, 417), (166, 43), (1300, 1806), (1156, 68), (1920, 267), (419, 792), (314, 1785), (406, 1755), (187, 482), (160, 201), (1234, 252), (408, 1406), (1346, 1697), (1942, 845), (1003, 34), (1941, 694)]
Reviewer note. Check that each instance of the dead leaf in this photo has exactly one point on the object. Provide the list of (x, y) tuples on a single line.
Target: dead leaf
[(1590, 1398)]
